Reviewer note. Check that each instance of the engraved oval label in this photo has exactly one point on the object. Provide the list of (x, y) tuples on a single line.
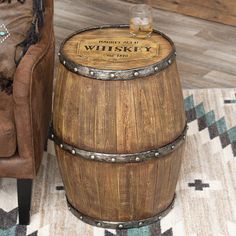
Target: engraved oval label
[(117, 49)]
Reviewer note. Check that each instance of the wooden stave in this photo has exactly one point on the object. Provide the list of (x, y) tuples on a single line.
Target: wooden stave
[(84, 191), (169, 133), (64, 168), (64, 160)]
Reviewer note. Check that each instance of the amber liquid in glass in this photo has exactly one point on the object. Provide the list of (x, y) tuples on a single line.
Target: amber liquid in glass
[(141, 27)]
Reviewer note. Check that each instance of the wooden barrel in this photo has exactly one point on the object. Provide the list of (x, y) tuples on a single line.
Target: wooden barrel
[(119, 125)]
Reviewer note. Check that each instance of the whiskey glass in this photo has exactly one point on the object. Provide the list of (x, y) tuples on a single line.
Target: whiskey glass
[(141, 22)]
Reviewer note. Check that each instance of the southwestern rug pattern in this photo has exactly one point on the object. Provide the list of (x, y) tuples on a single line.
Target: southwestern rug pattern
[(206, 190)]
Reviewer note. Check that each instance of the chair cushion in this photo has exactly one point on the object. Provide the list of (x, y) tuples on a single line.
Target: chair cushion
[(7, 127), (19, 23), (15, 21)]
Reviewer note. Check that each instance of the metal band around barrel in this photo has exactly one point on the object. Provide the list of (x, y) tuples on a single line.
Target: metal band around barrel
[(120, 225), (120, 158), (100, 74)]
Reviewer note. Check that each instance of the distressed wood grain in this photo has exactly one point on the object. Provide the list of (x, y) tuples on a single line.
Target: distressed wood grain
[(119, 117)]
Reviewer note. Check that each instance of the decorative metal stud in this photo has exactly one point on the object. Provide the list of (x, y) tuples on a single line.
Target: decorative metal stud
[(75, 69), (64, 62), (59, 54), (169, 61), (175, 53), (112, 75), (91, 73), (156, 68), (118, 158), (119, 225), (125, 75), (157, 154)]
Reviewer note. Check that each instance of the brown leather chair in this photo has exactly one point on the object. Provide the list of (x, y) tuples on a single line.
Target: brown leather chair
[(25, 115)]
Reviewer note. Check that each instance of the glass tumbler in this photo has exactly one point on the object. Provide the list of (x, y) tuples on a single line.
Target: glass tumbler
[(141, 22)]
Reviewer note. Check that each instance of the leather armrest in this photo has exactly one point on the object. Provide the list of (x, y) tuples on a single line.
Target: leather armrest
[(32, 92)]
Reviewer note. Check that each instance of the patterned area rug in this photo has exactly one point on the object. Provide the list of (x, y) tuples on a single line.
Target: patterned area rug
[(206, 191)]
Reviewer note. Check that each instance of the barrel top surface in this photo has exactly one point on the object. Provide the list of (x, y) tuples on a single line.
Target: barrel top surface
[(113, 48)]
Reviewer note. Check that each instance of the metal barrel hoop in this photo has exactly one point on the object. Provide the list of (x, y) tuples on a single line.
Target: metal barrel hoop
[(120, 158), (120, 225), (128, 74)]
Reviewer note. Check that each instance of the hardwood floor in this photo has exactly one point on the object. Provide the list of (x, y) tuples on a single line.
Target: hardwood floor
[(222, 11), (206, 50)]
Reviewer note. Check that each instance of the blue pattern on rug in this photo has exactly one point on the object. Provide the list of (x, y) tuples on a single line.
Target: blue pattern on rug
[(9, 226), (8, 232), (144, 231), (216, 128)]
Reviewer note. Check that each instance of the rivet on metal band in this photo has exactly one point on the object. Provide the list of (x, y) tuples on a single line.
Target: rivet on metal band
[(128, 74), (120, 158), (120, 225)]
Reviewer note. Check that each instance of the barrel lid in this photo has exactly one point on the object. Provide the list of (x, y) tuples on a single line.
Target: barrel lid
[(109, 52)]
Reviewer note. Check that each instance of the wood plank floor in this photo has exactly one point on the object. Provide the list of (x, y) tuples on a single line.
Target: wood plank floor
[(206, 50)]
